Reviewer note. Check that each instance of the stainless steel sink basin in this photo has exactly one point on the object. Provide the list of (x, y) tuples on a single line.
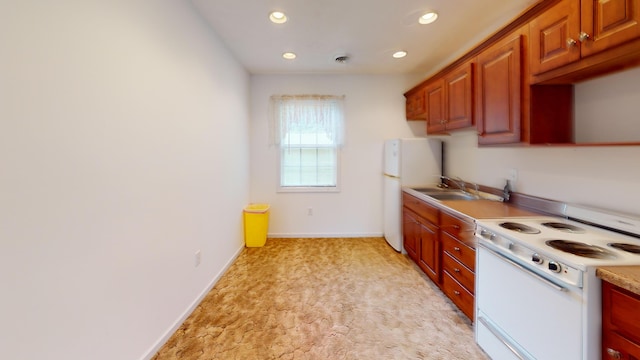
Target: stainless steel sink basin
[(446, 194), (453, 196)]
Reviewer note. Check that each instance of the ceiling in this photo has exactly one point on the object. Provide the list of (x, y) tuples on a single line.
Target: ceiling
[(368, 31)]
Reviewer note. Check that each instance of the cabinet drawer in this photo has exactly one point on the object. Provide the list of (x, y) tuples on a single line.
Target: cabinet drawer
[(428, 212), (615, 346), (459, 272), (459, 228), (458, 294), (623, 317), (459, 251)]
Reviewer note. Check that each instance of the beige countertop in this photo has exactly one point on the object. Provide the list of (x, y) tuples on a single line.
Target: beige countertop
[(475, 209), (626, 277), (486, 209)]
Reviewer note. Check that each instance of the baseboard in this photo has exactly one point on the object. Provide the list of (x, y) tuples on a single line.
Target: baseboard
[(165, 337), (331, 235)]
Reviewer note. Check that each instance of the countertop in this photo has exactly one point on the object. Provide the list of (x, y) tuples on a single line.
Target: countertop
[(626, 277), (476, 209), (486, 209)]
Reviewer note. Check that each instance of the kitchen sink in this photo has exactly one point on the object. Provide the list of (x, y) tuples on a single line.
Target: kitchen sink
[(457, 195), (446, 194)]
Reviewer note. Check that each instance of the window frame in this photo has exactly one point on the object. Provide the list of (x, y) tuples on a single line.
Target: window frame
[(309, 189), (283, 145)]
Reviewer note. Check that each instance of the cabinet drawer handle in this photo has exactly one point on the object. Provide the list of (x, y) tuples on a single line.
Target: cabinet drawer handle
[(456, 248), (456, 292), (456, 270), (614, 354), (583, 36)]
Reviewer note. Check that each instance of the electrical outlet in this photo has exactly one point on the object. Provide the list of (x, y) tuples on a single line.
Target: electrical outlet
[(513, 175), (198, 258), (309, 211)]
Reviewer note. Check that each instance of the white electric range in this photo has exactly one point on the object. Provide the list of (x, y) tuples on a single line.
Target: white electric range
[(537, 295)]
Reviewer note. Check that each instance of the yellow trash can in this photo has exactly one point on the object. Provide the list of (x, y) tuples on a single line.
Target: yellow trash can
[(256, 223)]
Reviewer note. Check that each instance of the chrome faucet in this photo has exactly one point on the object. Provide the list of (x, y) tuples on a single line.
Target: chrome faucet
[(461, 184)]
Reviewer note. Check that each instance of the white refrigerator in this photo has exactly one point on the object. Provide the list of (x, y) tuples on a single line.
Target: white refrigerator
[(412, 162)]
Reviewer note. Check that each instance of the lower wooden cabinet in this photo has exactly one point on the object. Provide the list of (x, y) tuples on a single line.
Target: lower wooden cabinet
[(620, 323), (441, 244), (429, 254)]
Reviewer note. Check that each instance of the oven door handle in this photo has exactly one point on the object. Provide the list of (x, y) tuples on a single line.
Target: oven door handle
[(518, 266), (502, 339)]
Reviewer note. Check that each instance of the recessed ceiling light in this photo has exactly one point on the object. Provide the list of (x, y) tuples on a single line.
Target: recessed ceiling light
[(278, 17), (289, 55), (399, 54), (428, 18)]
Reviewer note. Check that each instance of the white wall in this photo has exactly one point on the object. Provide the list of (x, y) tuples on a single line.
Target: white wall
[(605, 177), (123, 150), (374, 111)]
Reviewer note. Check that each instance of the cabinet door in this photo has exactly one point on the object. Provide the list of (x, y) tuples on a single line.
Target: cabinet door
[(459, 97), (410, 234), (554, 37), (415, 105), (608, 23), (499, 92), (429, 251), (434, 95)]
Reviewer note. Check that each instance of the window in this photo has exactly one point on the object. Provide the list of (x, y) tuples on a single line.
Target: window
[(308, 130)]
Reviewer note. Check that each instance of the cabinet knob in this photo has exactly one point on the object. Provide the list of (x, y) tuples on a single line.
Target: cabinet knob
[(583, 36), (571, 42), (456, 248), (456, 292), (614, 354), (456, 270)]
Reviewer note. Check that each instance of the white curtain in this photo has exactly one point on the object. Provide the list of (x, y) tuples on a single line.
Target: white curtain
[(306, 114)]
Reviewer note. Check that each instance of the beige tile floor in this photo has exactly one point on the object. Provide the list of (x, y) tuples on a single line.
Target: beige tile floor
[(353, 298)]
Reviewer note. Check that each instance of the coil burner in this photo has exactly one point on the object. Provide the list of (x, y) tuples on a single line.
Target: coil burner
[(581, 249)]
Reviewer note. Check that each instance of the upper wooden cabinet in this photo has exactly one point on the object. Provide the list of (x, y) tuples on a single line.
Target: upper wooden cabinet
[(459, 97), (449, 100), (552, 44), (607, 23), (415, 104), (508, 109), (517, 86), (434, 94), (499, 92), (575, 29)]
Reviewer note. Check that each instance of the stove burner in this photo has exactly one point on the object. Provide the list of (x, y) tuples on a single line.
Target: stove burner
[(563, 227), (521, 228), (634, 249), (581, 249)]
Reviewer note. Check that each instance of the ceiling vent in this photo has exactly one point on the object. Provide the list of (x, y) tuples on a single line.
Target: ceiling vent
[(342, 59)]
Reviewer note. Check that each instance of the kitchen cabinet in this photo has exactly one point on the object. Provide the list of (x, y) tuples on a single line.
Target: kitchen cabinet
[(429, 259), (500, 92), (435, 107), (574, 29), (620, 323), (415, 104), (410, 234), (421, 233), (508, 109), (441, 244), (523, 75), (458, 261), (450, 100)]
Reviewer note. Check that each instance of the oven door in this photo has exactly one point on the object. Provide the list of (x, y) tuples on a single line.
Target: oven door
[(522, 315)]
